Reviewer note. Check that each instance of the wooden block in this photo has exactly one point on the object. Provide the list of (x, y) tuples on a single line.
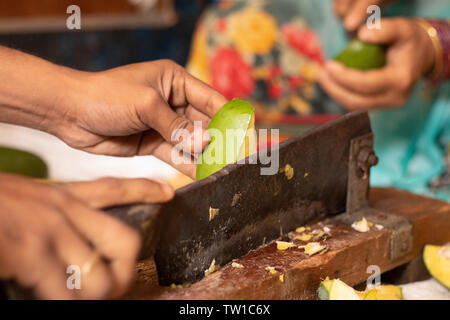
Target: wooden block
[(25, 16), (348, 256)]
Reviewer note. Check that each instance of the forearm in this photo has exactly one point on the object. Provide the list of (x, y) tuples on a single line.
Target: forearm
[(34, 92)]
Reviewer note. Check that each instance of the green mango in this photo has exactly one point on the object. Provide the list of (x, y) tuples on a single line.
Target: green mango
[(23, 163), (336, 290), (437, 261), (239, 117), (363, 56)]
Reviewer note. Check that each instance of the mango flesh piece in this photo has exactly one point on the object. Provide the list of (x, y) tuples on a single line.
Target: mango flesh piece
[(235, 123), (336, 290), (437, 261), (323, 292), (363, 56), (22, 163), (341, 291), (385, 292)]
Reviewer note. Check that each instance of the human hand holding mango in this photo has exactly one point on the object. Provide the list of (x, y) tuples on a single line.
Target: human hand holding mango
[(125, 111), (410, 55), (48, 227)]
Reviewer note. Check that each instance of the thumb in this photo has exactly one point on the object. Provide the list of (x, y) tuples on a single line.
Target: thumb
[(389, 32), (173, 127), (108, 192)]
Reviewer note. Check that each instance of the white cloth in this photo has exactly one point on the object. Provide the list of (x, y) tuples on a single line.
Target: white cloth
[(68, 164), (425, 290)]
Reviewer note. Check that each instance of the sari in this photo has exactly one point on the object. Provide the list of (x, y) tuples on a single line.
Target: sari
[(269, 52)]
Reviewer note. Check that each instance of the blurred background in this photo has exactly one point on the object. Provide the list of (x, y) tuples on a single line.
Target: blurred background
[(280, 82), (113, 33)]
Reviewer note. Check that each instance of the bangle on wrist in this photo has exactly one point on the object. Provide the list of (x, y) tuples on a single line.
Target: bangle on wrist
[(438, 50), (439, 33)]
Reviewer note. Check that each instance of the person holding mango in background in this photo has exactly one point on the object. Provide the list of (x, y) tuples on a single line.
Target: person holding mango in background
[(279, 55)]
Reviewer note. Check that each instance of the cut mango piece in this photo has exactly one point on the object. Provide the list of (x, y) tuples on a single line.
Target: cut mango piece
[(323, 291), (300, 229), (233, 137), (385, 292), (437, 261), (283, 245), (213, 212), (336, 290), (304, 237), (212, 268), (271, 270), (362, 225), (312, 248), (237, 265)]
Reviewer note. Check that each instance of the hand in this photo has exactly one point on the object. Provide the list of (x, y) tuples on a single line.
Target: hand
[(410, 56), (354, 12), (135, 109), (45, 228), (126, 111)]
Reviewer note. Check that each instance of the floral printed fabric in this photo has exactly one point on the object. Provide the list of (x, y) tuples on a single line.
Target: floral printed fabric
[(232, 53), (254, 50)]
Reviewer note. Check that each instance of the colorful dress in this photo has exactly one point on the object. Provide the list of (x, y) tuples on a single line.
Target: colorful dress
[(269, 52)]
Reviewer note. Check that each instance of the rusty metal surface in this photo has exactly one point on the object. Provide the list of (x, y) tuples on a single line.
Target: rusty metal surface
[(361, 158), (350, 253), (253, 208), (145, 219)]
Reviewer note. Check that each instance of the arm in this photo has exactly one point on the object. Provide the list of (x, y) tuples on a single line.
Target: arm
[(354, 12), (410, 56), (31, 89), (126, 111)]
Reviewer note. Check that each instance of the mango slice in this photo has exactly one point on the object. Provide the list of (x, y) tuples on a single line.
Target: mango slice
[(233, 137), (437, 261), (323, 292), (283, 245), (385, 292), (338, 290)]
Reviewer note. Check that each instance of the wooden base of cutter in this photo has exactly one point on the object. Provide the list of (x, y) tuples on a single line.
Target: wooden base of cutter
[(350, 253)]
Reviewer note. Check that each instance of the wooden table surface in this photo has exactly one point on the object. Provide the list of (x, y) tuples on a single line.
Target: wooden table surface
[(348, 256), (32, 16)]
